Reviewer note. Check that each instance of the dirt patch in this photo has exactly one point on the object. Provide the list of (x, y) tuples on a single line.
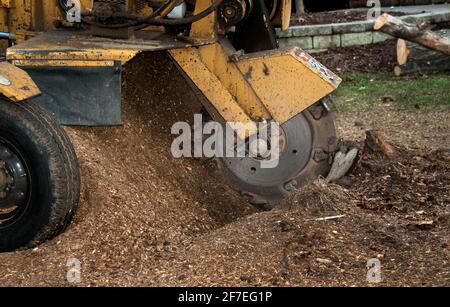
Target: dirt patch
[(375, 58), (334, 17), (292, 248), (394, 210), (414, 129), (146, 218)]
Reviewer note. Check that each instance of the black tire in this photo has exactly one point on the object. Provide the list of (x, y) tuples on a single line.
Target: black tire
[(30, 135), (316, 161)]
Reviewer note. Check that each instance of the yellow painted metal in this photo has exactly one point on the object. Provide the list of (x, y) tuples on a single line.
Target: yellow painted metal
[(283, 16), (205, 29), (86, 57), (16, 84), (62, 63), (251, 80), (287, 82), (56, 47), (69, 46), (216, 58), (26, 17), (191, 62), (270, 85)]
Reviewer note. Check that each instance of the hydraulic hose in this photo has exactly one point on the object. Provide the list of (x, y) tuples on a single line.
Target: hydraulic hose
[(148, 20), (156, 14), (172, 22)]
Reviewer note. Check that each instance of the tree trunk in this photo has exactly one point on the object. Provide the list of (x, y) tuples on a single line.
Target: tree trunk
[(396, 27)]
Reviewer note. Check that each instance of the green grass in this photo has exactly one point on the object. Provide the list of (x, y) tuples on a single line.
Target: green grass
[(365, 91)]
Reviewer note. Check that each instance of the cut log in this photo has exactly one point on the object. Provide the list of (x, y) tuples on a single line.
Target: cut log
[(407, 51), (402, 52), (423, 66), (396, 27), (413, 58)]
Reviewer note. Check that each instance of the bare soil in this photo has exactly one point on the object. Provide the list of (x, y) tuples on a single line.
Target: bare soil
[(334, 17), (375, 58), (147, 219)]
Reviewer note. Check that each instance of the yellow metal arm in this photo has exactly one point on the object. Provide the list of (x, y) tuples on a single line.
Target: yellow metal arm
[(271, 85)]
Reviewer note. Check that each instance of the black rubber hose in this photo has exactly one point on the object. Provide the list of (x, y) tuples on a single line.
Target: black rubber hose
[(129, 24), (65, 8), (172, 22), (151, 20)]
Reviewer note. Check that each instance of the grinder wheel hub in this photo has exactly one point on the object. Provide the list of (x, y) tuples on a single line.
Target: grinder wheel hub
[(295, 152), (264, 184), (14, 183)]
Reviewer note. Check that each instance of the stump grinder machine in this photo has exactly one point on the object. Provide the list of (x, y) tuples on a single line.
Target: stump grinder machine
[(61, 64)]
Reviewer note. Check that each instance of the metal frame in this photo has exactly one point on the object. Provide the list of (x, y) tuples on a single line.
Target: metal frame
[(265, 84)]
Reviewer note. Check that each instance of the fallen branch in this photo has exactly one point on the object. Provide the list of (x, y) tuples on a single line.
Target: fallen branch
[(396, 27)]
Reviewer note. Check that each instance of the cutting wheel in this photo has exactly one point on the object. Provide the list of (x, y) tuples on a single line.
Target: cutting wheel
[(309, 141)]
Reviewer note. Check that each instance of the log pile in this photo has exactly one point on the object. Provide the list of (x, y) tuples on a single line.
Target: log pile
[(412, 57), (418, 49)]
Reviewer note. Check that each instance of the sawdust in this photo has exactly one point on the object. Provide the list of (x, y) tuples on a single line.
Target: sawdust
[(146, 218)]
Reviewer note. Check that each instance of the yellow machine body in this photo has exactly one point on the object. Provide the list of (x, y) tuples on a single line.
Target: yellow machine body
[(271, 85), (66, 66), (274, 85)]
